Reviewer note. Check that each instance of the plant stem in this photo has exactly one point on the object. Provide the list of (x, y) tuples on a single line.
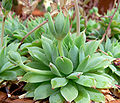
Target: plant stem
[(60, 47), (78, 17), (29, 69), (33, 31), (2, 32)]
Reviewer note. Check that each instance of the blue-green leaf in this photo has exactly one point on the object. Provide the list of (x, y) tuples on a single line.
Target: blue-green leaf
[(36, 53), (43, 91), (82, 66), (86, 81), (91, 47), (101, 81), (36, 78), (64, 65), (83, 96), (74, 75), (95, 95), (80, 40), (69, 92), (74, 55), (56, 98), (81, 54), (54, 69), (58, 82), (8, 75)]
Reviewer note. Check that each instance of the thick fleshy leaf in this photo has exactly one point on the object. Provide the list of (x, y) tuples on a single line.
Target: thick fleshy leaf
[(74, 55), (69, 92), (58, 82), (15, 57), (117, 72), (47, 49), (6, 66), (36, 78), (83, 64), (113, 68), (97, 62), (8, 75), (91, 47), (86, 81), (65, 51), (2, 56), (74, 75), (81, 54), (108, 44), (68, 41), (36, 53), (83, 96), (13, 46), (117, 51), (95, 95), (18, 71), (80, 40), (55, 53), (29, 94), (46, 39), (101, 81), (43, 91), (31, 86), (54, 69), (56, 98), (38, 65), (64, 65)]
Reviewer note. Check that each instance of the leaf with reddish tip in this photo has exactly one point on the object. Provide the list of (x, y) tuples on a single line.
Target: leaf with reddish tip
[(86, 81), (54, 69), (75, 75)]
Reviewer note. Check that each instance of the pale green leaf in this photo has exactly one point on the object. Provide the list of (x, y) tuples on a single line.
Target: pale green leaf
[(64, 65), (54, 69), (58, 82), (91, 47), (43, 91), (95, 95), (74, 55), (56, 98), (83, 96), (82, 66), (74, 75), (35, 78), (86, 81), (69, 92)]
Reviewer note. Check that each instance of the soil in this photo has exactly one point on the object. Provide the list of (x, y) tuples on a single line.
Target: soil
[(13, 99)]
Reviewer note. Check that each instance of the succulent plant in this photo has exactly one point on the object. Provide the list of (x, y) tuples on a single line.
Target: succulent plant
[(113, 50), (9, 71), (76, 76)]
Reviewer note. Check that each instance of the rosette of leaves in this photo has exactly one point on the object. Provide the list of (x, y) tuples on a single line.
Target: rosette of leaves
[(112, 48), (29, 25), (72, 77), (16, 30)]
